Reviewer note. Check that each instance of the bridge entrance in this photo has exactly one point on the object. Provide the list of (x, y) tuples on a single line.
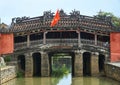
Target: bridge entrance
[(21, 63), (61, 60), (86, 64), (101, 62), (36, 64)]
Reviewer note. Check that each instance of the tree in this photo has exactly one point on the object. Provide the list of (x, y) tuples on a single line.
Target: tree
[(115, 19)]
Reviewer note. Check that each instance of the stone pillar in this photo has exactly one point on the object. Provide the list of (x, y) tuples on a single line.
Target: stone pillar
[(95, 39), (28, 65), (28, 40), (45, 71), (79, 39), (44, 37), (78, 65), (94, 64)]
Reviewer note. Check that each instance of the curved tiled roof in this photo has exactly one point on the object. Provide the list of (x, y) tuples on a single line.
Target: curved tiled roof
[(74, 21)]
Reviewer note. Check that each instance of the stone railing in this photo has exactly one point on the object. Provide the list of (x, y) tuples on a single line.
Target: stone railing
[(7, 73), (61, 42)]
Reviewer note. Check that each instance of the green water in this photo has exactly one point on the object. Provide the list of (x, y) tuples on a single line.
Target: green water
[(65, 80)]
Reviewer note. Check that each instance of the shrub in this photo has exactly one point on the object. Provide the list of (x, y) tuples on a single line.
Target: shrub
[(20, 74), (7, 58), (59, 71)]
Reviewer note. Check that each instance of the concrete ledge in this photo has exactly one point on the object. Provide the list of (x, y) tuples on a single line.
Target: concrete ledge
[(112, 70), (7, 73)]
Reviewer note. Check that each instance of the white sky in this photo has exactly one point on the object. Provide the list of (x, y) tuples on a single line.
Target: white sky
[(32, 8)]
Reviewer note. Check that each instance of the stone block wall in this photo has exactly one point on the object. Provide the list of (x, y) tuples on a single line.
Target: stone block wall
[(45, 71), (78, 66), (94, 65), (28, 65), (7, 73), (112, 71)]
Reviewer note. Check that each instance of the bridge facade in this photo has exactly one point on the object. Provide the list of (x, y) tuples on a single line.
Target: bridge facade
[(84, 38)]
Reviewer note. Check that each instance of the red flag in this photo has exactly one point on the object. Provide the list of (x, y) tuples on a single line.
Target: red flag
[(55, 19)]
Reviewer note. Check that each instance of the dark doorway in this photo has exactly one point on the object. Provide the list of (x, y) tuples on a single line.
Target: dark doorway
[(21, 63), (86, 64), (36, 64), (101, 62)]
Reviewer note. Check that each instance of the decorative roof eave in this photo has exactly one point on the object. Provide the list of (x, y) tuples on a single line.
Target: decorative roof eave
[(84, 29), (30, 28)]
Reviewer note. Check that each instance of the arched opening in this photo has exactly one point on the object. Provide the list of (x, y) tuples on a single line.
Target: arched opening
[(57, 60), (101, 62), (36, 64), (21, 63), (86, 64)]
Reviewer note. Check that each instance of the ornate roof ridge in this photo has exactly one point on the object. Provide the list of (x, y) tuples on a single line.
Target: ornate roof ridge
[(73, 19), (50, 15)]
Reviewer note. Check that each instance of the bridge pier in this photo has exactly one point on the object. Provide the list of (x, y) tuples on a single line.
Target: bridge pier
[(45, 71), (78, 65), (94, 64), (78, 59), (28, 65)]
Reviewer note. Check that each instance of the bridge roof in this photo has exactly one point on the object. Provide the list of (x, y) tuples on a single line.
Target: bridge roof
[(73, 21)]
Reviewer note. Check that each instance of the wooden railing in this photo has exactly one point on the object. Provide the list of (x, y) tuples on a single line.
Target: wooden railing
[(62, 42)]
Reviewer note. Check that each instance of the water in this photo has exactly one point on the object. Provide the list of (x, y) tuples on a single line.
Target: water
[(66, 80)]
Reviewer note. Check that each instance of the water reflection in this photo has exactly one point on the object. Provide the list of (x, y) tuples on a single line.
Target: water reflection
[(94, 81), (66, 80)]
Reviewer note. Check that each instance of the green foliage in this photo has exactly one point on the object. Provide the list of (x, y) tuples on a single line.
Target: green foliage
[(20, 74), (59, 71), (115, 19), (7, 58)]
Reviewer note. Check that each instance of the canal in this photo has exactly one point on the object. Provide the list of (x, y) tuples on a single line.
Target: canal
[(65, 80)]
